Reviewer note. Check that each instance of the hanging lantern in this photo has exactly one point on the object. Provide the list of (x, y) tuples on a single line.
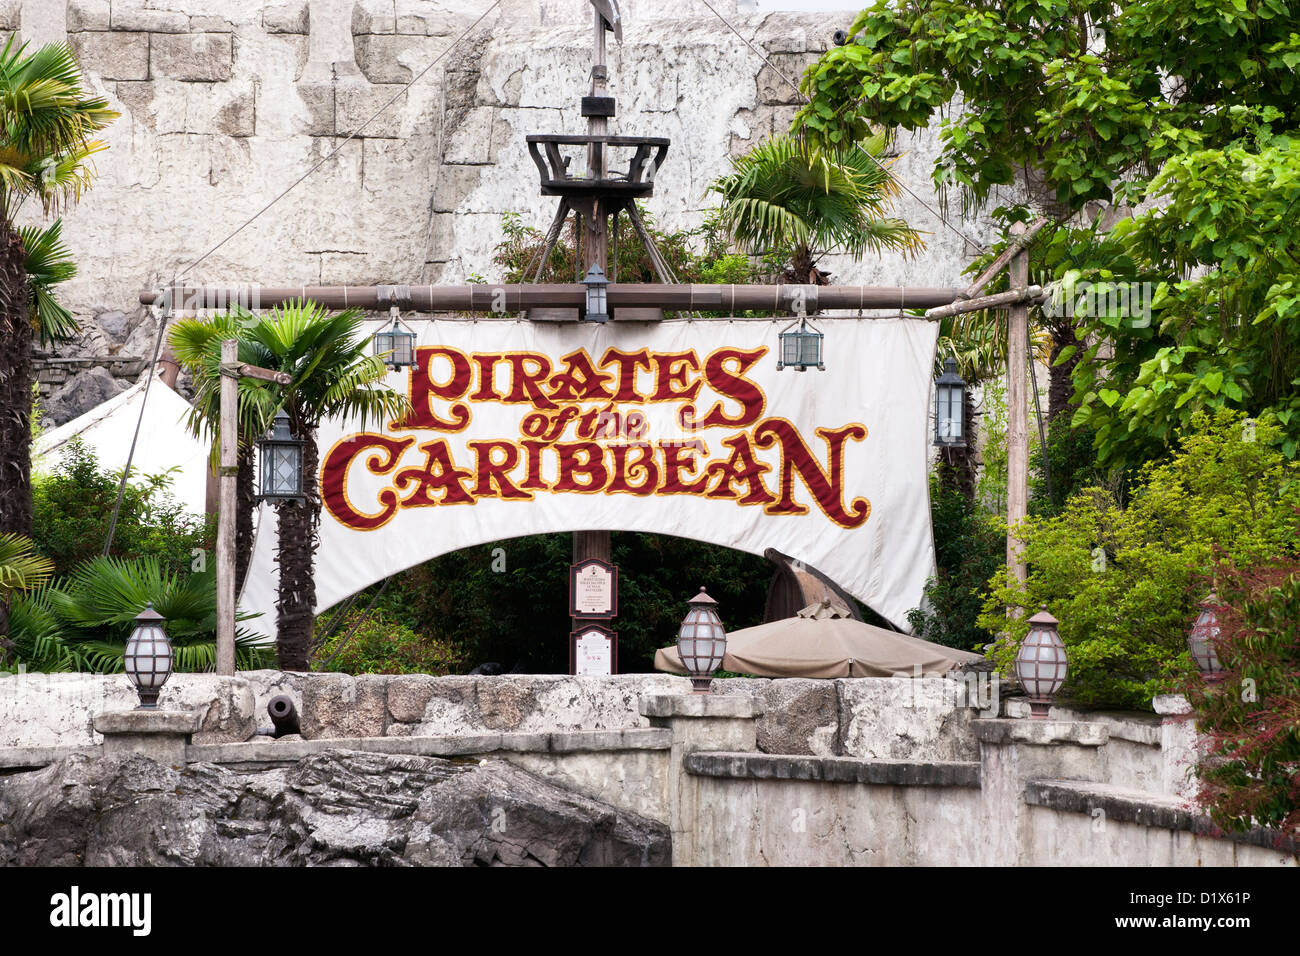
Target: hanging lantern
[(395, 344), (1041, 663), (1200, 640), (597, 295), (701, 641), (949, 406), (281, 458), (800, 348), (148, 657)]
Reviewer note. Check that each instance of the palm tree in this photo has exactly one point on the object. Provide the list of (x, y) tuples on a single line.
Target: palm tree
[(45, 127), (21, 569), (197, 346), (801, 200), (332, 375)]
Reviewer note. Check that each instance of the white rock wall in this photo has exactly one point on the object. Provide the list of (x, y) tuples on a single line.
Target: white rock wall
[(225, 104)]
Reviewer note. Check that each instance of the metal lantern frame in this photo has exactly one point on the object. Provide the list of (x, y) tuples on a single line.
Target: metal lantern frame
[(597, 284), (149, 658), (279, 450), (949, 407), (1041, 663), (1200, 640), (702, 641), (395, 343), (800, 348)]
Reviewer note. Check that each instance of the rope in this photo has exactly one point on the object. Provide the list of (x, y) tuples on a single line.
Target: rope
[(883, 168), (139, 421)]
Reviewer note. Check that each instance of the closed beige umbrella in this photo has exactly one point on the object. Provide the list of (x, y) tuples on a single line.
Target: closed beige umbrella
[(825, 641)]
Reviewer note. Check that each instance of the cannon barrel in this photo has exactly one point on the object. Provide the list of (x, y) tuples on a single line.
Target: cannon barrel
[(284, 715)]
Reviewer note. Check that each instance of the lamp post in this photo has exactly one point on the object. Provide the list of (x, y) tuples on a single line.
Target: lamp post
[(148, 659), (281, 460), (232, 370), (702, 641), (1041, 663), (949, 402), (597, 295), (1200, 640), (800, 348)]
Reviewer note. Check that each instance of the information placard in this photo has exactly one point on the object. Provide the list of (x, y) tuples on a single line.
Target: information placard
[(593, 650), (593, 589)]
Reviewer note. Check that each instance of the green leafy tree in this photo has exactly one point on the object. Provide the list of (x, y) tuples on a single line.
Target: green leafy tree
[(332, 374), (796, 199), (1125, 581), (46, 124), (1093, 108), (1224, 330), (21, 569), (74, 505)]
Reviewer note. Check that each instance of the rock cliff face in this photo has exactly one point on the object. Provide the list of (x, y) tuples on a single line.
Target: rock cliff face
[(337, 809)]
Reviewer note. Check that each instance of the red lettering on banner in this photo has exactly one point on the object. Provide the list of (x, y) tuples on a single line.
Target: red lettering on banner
[(625, 470), (525, 384), (679, 456), (491, 472), (741, 468), (592, 468), (334, 478), (827, 487), (424, 390), (628, 363), (580, 382), (735, 386), (439, 476), (672, 377)]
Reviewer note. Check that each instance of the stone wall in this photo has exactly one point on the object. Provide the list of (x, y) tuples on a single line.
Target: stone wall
[(741, 777), (223, 105), (859, 717)]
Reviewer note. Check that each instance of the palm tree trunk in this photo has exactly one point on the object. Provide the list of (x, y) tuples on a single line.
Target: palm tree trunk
[(244, 507), (297, 529), (1060, 387), (15, 386)]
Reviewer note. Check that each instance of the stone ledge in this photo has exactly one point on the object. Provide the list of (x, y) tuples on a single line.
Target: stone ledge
[(23, 758), (700, 705), (289, 751), (1143, 809), (146, 722), (1040, 732), (905, 773)]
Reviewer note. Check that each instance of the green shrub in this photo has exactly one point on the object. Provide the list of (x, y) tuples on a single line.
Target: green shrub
[(1124, 581), (96, 607), (73, 506), (377, 643)]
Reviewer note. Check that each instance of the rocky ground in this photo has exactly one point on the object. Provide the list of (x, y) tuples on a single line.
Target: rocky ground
[(341, 808)]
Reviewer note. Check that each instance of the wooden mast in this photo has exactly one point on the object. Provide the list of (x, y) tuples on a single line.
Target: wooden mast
[(596, 544)]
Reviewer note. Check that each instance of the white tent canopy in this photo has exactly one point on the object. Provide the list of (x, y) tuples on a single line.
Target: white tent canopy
[(165, 441)]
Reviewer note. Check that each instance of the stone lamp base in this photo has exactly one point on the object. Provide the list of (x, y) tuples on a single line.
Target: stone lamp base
[(161, 735)]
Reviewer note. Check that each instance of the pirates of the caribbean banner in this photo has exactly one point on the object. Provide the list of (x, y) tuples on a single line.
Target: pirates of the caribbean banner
[(682, 428)]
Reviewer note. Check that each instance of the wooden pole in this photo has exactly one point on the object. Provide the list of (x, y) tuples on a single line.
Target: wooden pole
[(229, 468), (1017, 412), (596, 544)]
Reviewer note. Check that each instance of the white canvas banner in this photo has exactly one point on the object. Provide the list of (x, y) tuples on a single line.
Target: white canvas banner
[(678, 427)]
